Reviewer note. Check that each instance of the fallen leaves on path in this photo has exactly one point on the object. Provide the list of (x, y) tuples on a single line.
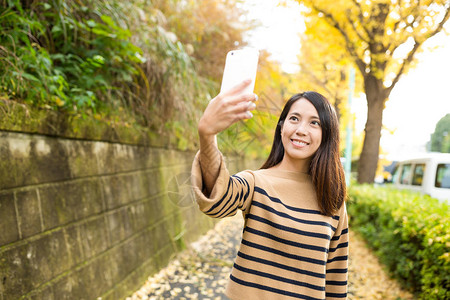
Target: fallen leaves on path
[(367, 279)]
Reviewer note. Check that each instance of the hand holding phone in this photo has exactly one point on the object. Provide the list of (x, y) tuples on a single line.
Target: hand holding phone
[(228, 108), (240, 65)]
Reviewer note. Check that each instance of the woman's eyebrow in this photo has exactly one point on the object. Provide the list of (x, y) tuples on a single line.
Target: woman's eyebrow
[(299, 114)]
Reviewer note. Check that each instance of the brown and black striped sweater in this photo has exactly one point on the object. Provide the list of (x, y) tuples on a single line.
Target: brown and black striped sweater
[(288, 249)]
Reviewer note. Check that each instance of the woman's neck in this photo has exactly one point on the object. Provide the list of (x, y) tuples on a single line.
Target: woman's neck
[(287, 164)]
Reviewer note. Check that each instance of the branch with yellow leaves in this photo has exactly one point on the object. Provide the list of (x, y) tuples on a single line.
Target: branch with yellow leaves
[(407, 61), (348, 43), (360, 17)]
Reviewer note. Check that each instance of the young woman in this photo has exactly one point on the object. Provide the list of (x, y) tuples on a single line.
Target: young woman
[(295, 238)]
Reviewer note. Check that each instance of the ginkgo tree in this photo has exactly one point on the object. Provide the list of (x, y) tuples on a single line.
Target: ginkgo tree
[(382, 38)]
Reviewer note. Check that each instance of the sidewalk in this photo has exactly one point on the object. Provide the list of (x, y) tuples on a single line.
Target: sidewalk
[(202, 271)]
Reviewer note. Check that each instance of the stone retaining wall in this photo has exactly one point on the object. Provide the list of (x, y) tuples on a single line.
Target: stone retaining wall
[(88, 219)]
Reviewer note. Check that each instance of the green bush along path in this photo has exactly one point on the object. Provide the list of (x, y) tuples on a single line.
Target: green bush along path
[(409, 232)]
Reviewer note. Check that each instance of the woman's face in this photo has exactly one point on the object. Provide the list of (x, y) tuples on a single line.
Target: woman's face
[(301, 133)]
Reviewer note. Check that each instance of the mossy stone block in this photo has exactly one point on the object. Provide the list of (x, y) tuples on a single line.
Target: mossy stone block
[(74, 246), (8, 221), (66, 202), (94, 238), (138, 218), (28, 209), (31, 160), (81, 157), (119, 226), (29, 265), (116, 191)]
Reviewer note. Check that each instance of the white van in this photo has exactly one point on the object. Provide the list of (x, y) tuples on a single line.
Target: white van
[(429, 174)]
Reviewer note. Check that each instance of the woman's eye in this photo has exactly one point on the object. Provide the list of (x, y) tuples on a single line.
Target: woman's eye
[(316, 123), (293, 118)]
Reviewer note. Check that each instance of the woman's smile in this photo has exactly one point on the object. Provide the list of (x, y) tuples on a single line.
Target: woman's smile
[(299, 143)]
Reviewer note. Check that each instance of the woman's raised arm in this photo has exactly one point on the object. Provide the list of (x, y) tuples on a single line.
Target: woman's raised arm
[(222, 111)]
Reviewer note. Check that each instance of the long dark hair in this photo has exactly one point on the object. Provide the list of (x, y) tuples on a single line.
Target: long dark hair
[(325, 168)]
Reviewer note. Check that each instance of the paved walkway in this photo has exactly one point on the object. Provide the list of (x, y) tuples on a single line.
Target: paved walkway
[(202, 271)]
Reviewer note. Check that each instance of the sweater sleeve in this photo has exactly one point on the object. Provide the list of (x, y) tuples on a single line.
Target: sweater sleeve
[(337, 263), (229, 193)]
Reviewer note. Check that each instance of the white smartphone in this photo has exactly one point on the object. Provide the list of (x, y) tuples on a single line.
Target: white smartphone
[(240, 65)]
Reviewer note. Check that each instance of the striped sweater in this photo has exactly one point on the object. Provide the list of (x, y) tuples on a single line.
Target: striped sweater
[(288, 249)]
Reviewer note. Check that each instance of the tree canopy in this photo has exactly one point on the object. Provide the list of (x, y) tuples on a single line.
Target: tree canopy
[(440, 139)]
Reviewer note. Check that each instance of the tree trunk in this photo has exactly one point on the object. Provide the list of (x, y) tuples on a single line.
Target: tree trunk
[(368, 160)]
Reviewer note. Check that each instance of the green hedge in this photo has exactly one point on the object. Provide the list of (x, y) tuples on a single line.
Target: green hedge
[(409, 232)]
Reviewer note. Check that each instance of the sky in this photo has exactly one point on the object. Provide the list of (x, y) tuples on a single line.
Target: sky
[(279, 31), (418, 101)]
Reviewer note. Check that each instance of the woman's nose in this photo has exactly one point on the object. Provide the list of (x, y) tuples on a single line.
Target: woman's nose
[(301, 128)]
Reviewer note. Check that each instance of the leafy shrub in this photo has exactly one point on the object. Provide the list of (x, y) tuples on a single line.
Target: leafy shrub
[(63, 54), (409, 232)]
